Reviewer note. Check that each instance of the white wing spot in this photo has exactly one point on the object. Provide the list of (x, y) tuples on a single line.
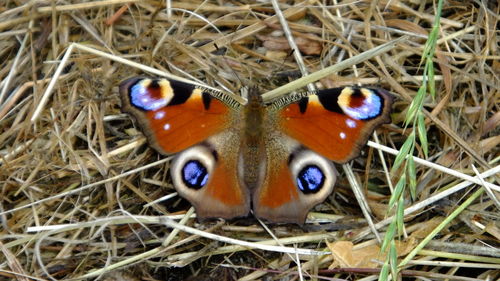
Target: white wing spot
[(159, 115), (342, 135), (203, 125), (350, 123), (166, 127)]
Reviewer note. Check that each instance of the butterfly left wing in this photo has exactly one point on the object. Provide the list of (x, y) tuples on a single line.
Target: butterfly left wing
[(180, 118), (205, 174), (173, 115)]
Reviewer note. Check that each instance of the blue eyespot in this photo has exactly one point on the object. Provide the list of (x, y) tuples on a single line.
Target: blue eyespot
[(310, 179), (194, 174), (370, 105), (147, 98)]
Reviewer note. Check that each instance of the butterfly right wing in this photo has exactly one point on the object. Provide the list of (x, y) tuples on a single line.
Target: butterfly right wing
[(296, 179), (337, 122), (305, 133)]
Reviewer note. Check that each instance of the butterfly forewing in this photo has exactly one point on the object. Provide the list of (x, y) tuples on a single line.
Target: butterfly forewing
[(173, 115), (336, 123)]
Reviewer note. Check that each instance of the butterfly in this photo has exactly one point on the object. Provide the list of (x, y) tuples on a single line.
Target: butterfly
[(273, 158)]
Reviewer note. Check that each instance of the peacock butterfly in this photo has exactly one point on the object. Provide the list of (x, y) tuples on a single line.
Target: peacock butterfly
[(274, 158)]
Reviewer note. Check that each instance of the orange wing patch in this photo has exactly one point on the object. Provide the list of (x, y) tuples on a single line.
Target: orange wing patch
[(280, 188), (336, 123), (331, 134), (224, 186), (180, 126)]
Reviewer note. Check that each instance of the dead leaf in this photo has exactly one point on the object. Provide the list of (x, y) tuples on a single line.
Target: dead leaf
[(405, 247), (276, 55), (448, 158), (308, 47), (488, 144), (280, 43), (274, 43), (344, 255), (491, 123), (378, 209), (426, 227)]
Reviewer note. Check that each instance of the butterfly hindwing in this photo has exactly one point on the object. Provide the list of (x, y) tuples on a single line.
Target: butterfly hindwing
[(296, 180), (205, 175), (336, 123), (173, 115)]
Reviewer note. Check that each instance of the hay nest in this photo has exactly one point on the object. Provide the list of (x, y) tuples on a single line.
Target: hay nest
[(83, 195)]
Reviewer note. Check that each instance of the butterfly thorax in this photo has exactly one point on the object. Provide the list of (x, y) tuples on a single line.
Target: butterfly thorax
[(252, 149)]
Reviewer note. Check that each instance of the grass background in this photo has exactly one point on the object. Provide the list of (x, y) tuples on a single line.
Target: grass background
[(82, 195)]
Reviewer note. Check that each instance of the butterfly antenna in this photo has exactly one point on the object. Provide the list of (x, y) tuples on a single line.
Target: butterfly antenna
[(244, 86), (275, 74), (227, 64)]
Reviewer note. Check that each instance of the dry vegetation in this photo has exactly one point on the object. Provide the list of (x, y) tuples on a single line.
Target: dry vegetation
[(73, 165)]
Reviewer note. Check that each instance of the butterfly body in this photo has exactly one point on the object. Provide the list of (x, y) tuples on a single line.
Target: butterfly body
[(272, 158), (252, 147)]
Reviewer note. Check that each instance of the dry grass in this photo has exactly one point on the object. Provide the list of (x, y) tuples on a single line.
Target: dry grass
[(80, 189)]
